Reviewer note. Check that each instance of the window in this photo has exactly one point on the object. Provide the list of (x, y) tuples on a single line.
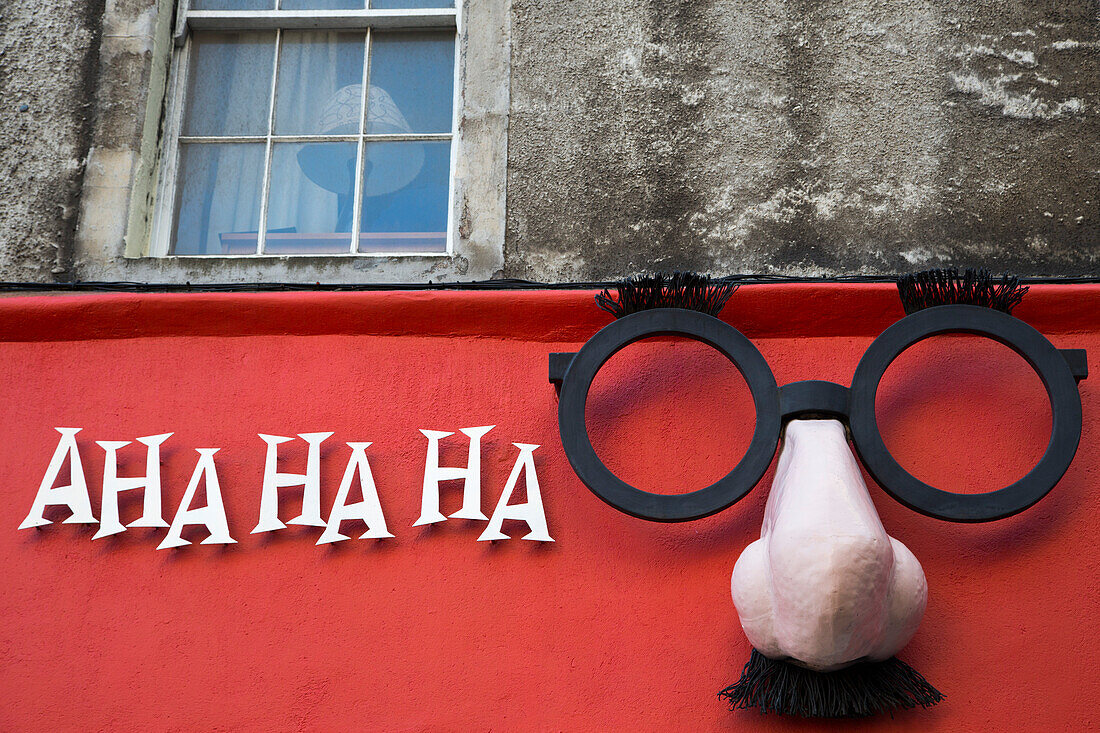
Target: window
[(309, 128)]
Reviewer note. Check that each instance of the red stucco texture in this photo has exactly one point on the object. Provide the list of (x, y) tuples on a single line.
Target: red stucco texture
[(620, 624)]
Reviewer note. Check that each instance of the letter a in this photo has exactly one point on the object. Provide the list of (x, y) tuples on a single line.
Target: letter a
[(368, 510), (74, 496), (212, 516), (530, 512)]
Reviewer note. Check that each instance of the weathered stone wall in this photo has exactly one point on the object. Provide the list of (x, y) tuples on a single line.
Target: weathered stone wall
[(803, 136), (793, 136), (48, 58)]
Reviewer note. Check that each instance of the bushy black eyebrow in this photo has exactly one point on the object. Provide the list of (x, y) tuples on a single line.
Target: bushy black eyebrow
[(688, 290), (930, 288)]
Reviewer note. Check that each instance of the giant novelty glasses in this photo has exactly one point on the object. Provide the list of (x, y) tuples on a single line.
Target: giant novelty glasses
[(1059, 369)]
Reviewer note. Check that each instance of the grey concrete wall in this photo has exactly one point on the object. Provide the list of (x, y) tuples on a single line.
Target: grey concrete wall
[(803, 136), (796, 136), (48, 59)]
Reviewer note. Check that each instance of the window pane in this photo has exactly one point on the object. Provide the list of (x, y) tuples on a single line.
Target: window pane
[(390, 4), (232, 4), (310, 204), (405, 197), (411, 82), (218, 205), (322, 5), (320, 83), (229, 84)]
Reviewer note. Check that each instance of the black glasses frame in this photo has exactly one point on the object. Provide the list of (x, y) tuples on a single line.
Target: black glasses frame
[(1059, 369)]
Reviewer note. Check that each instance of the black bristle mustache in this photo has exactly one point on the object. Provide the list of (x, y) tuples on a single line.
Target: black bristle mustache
[(947, 287), (858, 691), (667, 290)]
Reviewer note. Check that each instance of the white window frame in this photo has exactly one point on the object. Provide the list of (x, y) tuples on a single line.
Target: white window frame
[(188, 20)]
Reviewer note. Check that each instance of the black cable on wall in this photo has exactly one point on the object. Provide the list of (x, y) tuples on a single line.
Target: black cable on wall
[(502, 284)]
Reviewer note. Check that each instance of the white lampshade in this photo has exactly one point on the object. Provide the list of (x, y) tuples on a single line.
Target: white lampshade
[(388, 167)]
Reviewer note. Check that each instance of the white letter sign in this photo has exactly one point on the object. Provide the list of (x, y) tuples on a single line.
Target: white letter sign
[(433, 474), (273, 481), (112, 485), (368, 510), (531, 511), (212, 516), (74, 496)]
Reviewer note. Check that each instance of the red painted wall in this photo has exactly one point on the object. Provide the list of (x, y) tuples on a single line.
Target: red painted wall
[(618, 625)]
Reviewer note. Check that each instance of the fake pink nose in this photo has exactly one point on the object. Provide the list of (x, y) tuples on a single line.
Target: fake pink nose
[(825, 586)]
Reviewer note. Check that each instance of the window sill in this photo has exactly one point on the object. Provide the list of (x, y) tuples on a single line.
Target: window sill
[(304, 256)]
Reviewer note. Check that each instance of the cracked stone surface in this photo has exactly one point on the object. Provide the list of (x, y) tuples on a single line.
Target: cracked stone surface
[(806, 137)]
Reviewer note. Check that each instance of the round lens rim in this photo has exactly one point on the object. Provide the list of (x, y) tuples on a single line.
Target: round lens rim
[(720, 336), (1036, 350)]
